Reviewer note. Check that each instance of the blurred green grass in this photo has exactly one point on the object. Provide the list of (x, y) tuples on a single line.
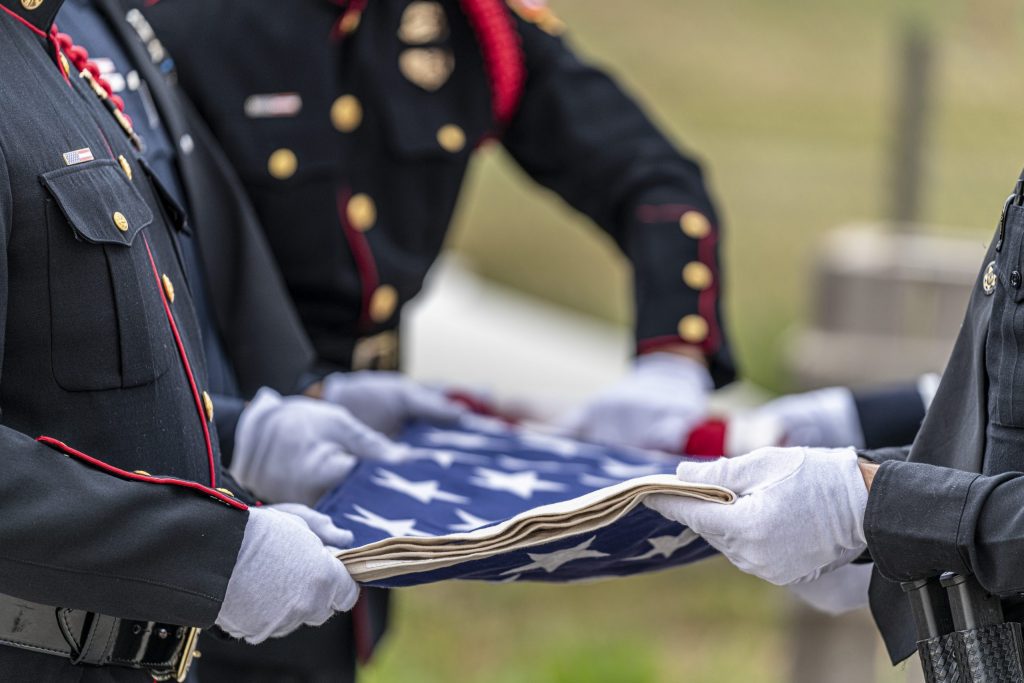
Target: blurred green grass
[(789, 103)]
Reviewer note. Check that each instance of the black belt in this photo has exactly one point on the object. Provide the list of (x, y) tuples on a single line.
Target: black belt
[(164, 650)]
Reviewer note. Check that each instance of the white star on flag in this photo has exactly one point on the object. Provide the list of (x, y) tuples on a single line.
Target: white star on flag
[(550, 562), (459, 440), (522, 484), (392, 527), (621, 470), (469, 521), (666, 545), (512, 463), (552, 444), (423, 491)]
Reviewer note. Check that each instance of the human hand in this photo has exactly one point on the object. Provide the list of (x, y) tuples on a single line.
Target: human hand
[(655, 406), (284, 577), (294, 449), (385, 401), (799, 511)]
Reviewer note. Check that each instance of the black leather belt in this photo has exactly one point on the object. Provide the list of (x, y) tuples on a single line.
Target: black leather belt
[(163, 650)]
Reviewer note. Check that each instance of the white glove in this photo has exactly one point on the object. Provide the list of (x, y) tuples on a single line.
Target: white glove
[(800, 511), (385, 401), (824, 418), (295, 449), (836, 592), (284, 577), (655, 406)]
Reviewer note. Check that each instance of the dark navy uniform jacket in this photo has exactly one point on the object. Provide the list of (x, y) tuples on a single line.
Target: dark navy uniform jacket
[(251, 333), (117, 510), (352, 125), (954, 501)]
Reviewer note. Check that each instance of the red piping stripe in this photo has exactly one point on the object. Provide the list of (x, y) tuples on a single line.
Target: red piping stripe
[(369, 278), (666, 213), (35, 29), (707, 298), (185, 363), (134, 476), (362, 631), (502, 51)]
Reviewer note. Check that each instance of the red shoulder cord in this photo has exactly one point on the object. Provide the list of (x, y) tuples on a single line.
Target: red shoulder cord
[(502, 52), (79, 58)]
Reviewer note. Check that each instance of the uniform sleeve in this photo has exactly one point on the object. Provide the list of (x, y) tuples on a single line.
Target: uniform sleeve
[(923, 520), (72, 535), (577, 133)]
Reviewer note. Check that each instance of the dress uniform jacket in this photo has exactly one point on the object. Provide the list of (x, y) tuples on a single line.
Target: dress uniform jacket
[(117, 509), (952, 502), (222, 219), (352, 125)]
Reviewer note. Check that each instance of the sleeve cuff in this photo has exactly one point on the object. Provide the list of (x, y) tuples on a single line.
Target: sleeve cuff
[(912, 520)]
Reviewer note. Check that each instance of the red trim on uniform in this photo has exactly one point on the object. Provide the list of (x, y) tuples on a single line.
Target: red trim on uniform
[(351, 7), (188, 368), (709, 297), (502, 50), (135, 476), (706, 440), (362, 631), (706, 300), (32, 27), (366, 266), (655, 344)]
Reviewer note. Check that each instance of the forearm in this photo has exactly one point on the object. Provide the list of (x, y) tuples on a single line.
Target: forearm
[(73, 536), (923, 520)]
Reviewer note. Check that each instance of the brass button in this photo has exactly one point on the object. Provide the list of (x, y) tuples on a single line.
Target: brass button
[(693, 329), (226, 492), (346, 113), (451, 138), (697, 276), (695, 225), (282, 164), (361, 212), (168, 287), (208, 406), (988, 282), (31, 4), (383, 303), (350, 22), (423, 21), (120, 221), (125, 166)]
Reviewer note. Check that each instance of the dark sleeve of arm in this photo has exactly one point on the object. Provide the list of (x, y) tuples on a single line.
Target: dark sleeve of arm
[(74, 536), (579, 134), (889, 416), (923, 520)]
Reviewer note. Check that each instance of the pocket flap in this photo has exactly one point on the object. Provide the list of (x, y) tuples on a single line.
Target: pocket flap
[(99, 202)]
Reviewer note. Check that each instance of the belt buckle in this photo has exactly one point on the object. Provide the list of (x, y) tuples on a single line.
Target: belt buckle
[(188, 653)]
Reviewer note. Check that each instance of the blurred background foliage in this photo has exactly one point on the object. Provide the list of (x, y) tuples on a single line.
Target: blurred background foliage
[(790, 104)]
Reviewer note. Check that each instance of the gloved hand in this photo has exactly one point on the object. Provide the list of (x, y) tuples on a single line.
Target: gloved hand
[(824, 418), (799, 511), (385, 401), (841, 590), (284, 577), (296, 448), (655, 406)]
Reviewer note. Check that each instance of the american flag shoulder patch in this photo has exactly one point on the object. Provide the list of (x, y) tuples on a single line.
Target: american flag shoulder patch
[(78, 156)]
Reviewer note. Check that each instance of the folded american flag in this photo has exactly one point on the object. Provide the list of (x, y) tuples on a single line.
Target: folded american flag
[(488, 502)]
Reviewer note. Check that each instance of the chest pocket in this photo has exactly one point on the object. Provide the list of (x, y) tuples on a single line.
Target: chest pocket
[(1005, 344), (105, 306)]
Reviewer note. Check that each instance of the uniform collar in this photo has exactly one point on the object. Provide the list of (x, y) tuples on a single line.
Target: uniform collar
[(38, 14)]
